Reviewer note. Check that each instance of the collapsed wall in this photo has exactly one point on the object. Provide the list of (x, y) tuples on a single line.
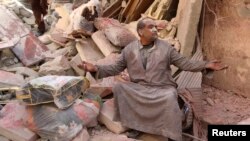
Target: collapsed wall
[(226, 37)]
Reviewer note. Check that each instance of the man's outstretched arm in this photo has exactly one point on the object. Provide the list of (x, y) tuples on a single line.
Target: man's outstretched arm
[(102, 71)]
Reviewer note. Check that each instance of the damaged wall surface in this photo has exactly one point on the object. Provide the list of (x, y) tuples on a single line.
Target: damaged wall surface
[(226, 37)]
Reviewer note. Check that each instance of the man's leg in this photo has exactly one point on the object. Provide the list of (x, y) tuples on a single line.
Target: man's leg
[(38, 13)]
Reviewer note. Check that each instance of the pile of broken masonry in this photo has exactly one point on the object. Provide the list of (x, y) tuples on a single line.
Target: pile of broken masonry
[(28, 63)]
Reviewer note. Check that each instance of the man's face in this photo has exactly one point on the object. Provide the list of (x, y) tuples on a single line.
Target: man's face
[(149, 32)]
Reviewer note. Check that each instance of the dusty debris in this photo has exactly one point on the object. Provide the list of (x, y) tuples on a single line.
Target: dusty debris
[(58, 66), (12, 122), (45, 39), (53, 54), (53, 46), (88, 50), (28, 48), (8, 79), (76, 61)]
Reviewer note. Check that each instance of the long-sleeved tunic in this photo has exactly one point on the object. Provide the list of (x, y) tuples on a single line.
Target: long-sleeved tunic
[(149, 102)]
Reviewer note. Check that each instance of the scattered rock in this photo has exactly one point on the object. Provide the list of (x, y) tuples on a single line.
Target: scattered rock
[(29, 21), (24, 12)]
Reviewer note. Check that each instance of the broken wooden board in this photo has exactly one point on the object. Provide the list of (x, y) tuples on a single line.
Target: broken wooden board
[(141, 8), (112, 9), (29, 48), (125, 11), (131, 11), (88, 50), (103, 43)]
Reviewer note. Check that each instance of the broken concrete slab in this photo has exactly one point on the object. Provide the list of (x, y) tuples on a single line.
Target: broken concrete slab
[(13, 117), (24, 71), (103, 43), (8, 79), (188, 24), (88, 50), (28, 49), (18, 134), (106, 117)]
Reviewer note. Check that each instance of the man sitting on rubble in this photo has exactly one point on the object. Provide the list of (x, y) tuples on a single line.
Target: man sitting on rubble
[(149, 102)]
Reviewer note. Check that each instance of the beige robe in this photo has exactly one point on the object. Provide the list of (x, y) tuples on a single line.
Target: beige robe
[(149, 102)]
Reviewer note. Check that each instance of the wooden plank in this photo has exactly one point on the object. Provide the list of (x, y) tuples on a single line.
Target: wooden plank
[(107, 12), (103, 43), (131, 10), (142, 6), (88, 50), (125, 11), (115, 13)]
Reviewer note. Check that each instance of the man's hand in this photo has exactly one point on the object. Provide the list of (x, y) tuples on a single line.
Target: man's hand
[(88, 67), (215, 65)]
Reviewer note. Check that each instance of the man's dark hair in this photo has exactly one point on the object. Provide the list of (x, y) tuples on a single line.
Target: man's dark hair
[(141, 24)]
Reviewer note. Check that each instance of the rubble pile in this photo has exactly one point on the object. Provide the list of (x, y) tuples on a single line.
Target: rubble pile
[(34, 66)]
